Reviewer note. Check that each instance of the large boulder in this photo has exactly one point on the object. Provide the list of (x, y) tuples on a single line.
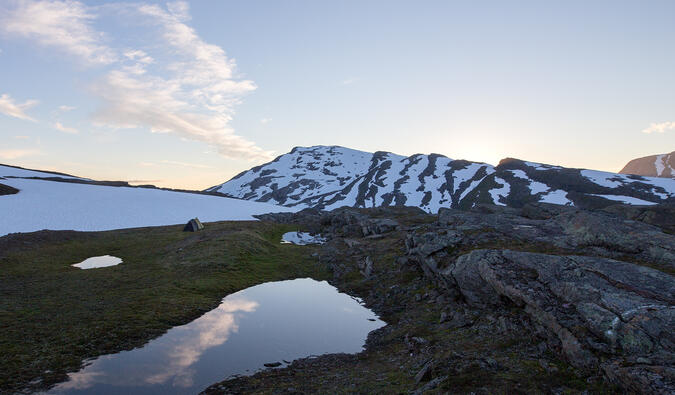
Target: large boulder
[(610, 315), (616, 237)]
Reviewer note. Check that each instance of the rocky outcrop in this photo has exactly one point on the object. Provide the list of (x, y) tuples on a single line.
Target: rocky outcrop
[(615, 316), (594, 306), (662, 215), (568, 229), (7, 190)]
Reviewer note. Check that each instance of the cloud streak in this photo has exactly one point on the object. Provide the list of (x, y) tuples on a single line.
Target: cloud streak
[(59, 126), (62, 24), (171, 82), (10, 154), (659, 127), (16, 110)]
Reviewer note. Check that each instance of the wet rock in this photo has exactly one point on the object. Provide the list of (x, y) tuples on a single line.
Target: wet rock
[(425, 373), (367, 267), (430, 385), (378, 226)]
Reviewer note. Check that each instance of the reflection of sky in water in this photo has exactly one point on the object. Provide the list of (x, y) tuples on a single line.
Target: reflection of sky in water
[(301, 238), (266, 323), (98, 261)]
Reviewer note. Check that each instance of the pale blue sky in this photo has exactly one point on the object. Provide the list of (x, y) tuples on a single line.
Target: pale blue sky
[(567, 83)]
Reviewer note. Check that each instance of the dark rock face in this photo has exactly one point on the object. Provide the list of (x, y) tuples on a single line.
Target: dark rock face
[(7, 190), (606, 315), (328, 177), (628, 309), (662, 215)]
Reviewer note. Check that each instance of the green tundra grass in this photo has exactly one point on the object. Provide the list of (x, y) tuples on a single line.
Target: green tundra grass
[(53, 316)]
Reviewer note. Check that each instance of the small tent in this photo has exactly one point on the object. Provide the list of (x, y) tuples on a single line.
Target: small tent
[(193, 225)]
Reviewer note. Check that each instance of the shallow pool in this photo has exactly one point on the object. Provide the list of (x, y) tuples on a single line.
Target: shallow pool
[(301, 238), (98, 261), (269, 323)]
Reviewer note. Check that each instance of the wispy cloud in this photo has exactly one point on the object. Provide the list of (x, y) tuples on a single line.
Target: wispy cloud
[(265, 121), (63, 24), (177, 83), (16, 110), (59, 126), (186, 164), (174, 163), (659, 127), (65, 108), (348, 81), (17, 153)]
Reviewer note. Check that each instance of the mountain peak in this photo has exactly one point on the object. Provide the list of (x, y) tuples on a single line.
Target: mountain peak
[(328, 177), (662, 165)]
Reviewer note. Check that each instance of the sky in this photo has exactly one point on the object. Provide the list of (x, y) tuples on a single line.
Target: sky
[(189, 94)]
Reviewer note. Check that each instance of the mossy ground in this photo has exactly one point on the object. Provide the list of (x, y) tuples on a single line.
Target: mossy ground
[(53, 316)]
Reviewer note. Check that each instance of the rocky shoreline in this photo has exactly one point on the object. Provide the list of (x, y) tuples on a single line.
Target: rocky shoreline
[(543, 299)]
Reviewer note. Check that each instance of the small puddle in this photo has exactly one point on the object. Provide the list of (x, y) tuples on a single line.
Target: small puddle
[(267, 324), (301, 238), (98, 261)]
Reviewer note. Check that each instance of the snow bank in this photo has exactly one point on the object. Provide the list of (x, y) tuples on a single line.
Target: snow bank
[(626, 199), (96, 262), (42, 204)]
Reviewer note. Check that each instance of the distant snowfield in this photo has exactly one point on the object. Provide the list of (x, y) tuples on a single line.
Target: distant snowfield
[(8, 171), (42, 204)]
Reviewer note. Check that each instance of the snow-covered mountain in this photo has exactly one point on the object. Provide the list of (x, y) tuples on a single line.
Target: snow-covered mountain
[(35, 200), (652, 166), (330, 176)]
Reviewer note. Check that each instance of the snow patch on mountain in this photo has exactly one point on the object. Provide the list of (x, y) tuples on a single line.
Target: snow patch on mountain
[(626, 199), (541, 166), (658, 163), (501, 192), (534, 186), (557, 196), (605, 179)]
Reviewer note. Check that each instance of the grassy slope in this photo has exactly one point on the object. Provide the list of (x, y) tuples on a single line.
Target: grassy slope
[(53, 316)]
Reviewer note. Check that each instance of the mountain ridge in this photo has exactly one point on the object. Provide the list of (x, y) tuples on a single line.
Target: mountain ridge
[(661, 165), (328, 177)]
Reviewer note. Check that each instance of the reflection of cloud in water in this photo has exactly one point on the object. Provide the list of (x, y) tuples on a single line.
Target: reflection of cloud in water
[(211, 330), (81, 381), (191, 341)]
